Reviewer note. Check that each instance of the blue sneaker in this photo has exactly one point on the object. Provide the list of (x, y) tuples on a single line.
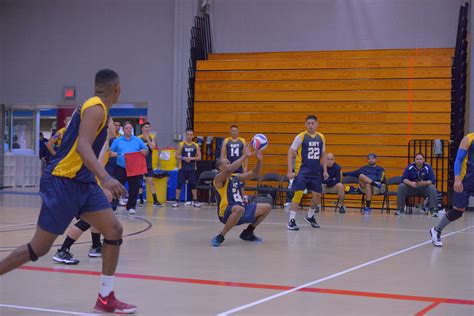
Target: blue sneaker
[(217, 241), (249, 236), (366, 211)]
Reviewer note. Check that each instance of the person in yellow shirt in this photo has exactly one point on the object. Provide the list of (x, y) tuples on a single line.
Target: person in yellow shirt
[(55, 140)]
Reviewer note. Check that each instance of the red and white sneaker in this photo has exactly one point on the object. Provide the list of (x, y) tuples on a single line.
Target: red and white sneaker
[(110, 304)]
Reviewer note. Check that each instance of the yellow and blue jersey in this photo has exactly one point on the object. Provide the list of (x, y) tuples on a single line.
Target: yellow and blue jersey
[(58, 137), (188, 150), (467, 170), (229, 194), (67, 163), (309, 152), (150, 150), (234, 149)]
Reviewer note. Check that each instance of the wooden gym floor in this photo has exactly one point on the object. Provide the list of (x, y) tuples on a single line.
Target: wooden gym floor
[(352, 265)]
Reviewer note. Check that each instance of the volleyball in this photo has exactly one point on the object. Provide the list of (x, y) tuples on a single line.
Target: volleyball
[(259, 142)]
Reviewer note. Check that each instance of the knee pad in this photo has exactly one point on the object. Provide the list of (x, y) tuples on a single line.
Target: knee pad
[(82, 225), (117, 242), (33, 256), (297, 197), (453, 215)]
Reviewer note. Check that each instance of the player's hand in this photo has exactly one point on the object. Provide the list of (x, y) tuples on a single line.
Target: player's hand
[(108, 194), (458, 187), (259, 155), (187, 159), (115, 187), (326, 175), (290, 175), (247, 151)]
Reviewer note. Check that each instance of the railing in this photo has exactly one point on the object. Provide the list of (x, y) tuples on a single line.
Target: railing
[(201, 46), (458, 88)]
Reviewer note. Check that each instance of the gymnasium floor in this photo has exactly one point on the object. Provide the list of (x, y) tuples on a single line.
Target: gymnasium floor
[(353, 265)]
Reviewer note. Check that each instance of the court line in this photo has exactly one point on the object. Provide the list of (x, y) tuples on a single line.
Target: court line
[(428, 308), (363, 265), (282, 223), (10, 225), (37, 309)]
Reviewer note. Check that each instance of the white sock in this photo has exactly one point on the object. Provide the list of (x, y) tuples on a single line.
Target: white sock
[(107, 285), (311, 212), (292, 215)]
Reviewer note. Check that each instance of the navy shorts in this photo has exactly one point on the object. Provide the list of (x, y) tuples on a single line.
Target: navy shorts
[(64, 199), (461, 200), (189, 175), (303, 181), (247, 218), (149, 173)]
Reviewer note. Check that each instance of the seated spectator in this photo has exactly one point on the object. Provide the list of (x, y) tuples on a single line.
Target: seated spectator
[(418, 179), (370, 180), (333, 184)]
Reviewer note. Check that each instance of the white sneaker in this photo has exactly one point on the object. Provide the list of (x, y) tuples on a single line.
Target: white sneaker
[(196, 204), (287, 204), (189, 203), (123, 202), (436, 237), (175, 204), (132, 211)]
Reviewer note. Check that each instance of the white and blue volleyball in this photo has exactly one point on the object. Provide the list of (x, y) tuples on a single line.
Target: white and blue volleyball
[(259, 142)]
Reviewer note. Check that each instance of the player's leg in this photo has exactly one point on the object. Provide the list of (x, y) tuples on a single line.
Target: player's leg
[(133, 187), (95, 250), (108, 224), (340, 197), (298, 186), (140, 191), (365, 182), (460, 202), (150, 184), (181, 175), (254, 214), (63, 255), (231, 218), (39, 245), (314, 184), (193, 183)]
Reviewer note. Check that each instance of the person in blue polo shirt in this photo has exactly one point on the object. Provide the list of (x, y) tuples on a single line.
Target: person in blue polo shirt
[(122, 145), (418, 179)]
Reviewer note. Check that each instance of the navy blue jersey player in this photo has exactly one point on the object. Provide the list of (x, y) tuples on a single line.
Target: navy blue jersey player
[(463, 187)]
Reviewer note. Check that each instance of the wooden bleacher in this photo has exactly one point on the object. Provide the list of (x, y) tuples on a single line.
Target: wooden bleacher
[(365, 100)]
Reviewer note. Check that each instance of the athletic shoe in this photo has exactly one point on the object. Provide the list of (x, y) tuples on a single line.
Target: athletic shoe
[(342, 209), (132, 211), (366, 211), (312, 221), (123, 202), (399, 212), (434, 212), (189, 203), (217, 241), (140, 203), (250, 236), (377, 184), (316, 210), (65, 257), (287, 204), (436, 237), (157, 203), (292, 225), (110, 304), (196, 204), (175, 204), (95, 252)]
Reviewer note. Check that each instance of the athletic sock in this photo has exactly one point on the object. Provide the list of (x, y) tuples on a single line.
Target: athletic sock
[(442, 223), (95, 240), (155, 199), (141, 196), (68, 242), (107, 285), (292, 215), (250, 228), (311, 212), (367, 203)]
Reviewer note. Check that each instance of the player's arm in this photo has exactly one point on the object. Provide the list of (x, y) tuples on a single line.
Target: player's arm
[(460, 156), (224, 149), (292, 154), (246, 162), (151, 142), (255, 173), (143, 147), (50, 144), (229, 170), (198, 153), (91, 119)]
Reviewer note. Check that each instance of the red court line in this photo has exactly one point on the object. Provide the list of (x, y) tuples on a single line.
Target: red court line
[(257, 286), (427, 309)]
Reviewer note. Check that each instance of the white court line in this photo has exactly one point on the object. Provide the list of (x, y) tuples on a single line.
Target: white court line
[(282, 223), (37, 309), (10, 225), (272, 297)]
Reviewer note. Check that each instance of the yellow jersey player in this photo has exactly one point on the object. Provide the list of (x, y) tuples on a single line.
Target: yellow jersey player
[(55, 140), (230, 207), (233, 148), (463, 187), (309, 148), (69, 188)]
